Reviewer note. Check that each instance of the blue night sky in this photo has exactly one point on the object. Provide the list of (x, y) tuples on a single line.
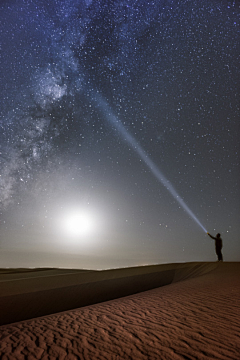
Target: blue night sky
[(119, 132)]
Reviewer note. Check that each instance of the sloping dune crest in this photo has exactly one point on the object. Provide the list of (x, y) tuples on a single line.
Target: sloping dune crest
[(194, 316)]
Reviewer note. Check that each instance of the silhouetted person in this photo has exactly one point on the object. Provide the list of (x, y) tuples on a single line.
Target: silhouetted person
[(218, 245)]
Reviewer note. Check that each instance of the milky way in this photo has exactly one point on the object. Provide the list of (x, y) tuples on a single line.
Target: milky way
[(169, 72)]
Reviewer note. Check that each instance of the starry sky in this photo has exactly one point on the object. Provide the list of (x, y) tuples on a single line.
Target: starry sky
[(119, 132)]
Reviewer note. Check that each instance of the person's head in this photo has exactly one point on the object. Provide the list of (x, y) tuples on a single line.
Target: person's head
[(218, 235)]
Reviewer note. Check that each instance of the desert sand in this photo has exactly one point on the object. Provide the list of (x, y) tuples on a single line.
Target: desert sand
[(172, 311)]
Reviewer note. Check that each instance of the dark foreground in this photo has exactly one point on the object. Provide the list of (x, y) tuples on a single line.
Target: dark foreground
[(195, 316)]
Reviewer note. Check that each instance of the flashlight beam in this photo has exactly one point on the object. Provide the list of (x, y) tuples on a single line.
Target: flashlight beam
[(113, 120)]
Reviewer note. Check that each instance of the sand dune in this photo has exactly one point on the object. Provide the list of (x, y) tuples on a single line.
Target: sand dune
[(30, 293), (195, 316)]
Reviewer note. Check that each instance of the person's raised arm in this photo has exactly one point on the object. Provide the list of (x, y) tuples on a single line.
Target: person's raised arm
[(211, 236)]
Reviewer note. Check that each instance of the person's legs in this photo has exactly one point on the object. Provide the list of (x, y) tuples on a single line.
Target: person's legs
[(219, 254)]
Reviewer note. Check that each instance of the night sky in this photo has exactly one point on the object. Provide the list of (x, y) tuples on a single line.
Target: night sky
[(114, 116)]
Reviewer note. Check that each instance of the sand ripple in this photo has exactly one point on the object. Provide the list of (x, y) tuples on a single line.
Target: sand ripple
[(194, 319)]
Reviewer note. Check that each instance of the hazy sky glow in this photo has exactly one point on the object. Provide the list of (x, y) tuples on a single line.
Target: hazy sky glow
[(119, 132)]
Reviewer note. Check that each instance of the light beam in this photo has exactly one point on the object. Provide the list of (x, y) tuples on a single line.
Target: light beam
[(113, 120)]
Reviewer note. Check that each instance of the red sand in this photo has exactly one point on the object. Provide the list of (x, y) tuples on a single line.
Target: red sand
[(195, 318)]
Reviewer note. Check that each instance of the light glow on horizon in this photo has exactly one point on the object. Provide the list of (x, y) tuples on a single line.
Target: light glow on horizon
[(78, 223)]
